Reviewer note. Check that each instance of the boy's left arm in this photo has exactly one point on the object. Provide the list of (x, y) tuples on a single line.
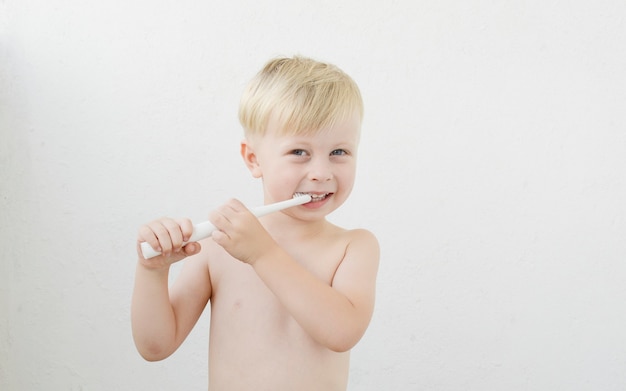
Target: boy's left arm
[(335, 316)]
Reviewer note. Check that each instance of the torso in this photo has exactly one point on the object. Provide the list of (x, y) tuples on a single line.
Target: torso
[(255, 344)]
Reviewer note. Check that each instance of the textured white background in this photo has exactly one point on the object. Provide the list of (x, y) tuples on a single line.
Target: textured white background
[(493, 170)]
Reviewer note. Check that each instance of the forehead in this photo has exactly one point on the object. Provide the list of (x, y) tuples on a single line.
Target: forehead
[(344, 130), (282, 123)]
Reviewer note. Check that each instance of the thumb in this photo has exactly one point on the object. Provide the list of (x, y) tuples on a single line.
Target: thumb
[(192, 248)]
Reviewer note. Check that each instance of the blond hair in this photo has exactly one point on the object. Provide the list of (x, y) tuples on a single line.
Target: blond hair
[(304, 96)]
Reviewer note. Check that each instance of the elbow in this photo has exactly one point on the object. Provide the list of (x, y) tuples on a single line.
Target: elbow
[(151, 356), (343, 343), (152, 352), (341, 347), (342, 337)]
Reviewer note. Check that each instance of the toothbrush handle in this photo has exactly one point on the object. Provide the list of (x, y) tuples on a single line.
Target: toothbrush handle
[(200, 231), (204, 229)]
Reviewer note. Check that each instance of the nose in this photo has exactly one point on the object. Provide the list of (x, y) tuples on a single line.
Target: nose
[(320, 170)]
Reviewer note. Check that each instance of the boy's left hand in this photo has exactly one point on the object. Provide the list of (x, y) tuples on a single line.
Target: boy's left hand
[(240, 232)]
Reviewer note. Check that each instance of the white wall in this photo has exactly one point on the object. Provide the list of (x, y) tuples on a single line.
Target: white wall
[(493, 170)]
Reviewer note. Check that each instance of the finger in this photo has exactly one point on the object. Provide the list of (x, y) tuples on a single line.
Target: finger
[(174, 234), (167, 233), (219, 237), (192, 248), (186, 228), (232, 211), (235, 205), (146, 234), (233, 208), (219, 217)]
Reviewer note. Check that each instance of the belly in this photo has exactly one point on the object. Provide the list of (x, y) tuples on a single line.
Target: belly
[(255, 344)]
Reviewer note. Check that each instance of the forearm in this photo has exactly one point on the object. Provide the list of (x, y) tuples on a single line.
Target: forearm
[(323, 312), (152, 316)]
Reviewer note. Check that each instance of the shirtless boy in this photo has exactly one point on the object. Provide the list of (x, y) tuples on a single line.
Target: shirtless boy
[(290, 293)]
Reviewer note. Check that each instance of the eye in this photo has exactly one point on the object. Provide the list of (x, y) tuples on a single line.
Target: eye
[(339, 152), (298, 152)]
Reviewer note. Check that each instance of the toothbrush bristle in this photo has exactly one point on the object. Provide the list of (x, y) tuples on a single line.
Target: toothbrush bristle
[(307, 195)]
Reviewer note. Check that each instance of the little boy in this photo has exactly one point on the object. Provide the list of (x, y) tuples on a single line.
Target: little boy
[(290, 292)]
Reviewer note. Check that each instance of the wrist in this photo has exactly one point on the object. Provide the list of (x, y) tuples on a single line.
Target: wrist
[(151, 266), (270, 256)]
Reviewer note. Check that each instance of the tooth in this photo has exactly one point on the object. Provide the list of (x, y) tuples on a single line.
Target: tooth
[(315, 197)]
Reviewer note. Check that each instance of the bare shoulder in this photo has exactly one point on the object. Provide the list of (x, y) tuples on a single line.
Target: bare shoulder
[(361, 258), (363, 240), (363, 236), (357, 240)]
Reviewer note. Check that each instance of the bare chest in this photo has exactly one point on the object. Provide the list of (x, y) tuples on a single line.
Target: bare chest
[(251, 330)]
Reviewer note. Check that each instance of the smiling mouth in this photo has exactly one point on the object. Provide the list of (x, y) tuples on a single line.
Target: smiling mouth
[(314, 197)]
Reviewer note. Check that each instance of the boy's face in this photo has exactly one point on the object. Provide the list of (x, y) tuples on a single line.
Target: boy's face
[(322, 164)]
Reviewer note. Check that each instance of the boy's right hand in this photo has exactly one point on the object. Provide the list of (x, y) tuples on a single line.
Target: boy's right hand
[(167, 236)]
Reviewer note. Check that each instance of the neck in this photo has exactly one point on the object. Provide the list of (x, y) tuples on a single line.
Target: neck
[(282, 225)]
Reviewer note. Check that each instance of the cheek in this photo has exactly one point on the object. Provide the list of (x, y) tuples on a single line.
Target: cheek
[(347, 172), (281, 176)]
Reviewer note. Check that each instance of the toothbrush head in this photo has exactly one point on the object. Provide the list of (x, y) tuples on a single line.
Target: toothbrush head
[(315, 197), (304, 197)]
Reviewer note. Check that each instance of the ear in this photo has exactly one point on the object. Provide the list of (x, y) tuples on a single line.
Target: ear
[(250, 158)]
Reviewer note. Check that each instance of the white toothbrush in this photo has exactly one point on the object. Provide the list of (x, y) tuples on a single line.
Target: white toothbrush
[(203, 230)]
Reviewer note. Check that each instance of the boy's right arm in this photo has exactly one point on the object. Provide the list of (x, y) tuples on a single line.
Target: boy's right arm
[(161, 316)]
